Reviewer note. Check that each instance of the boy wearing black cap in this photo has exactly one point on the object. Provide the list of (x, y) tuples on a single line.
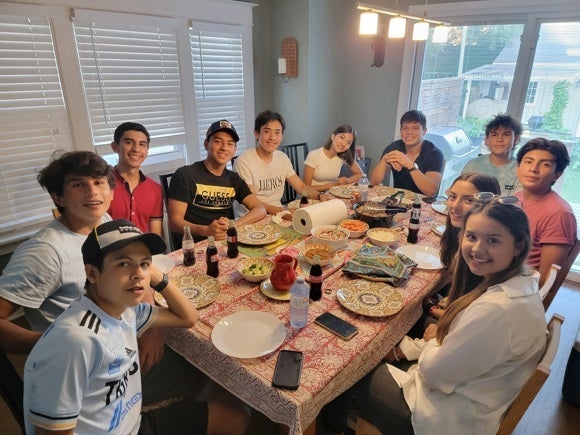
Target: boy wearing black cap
[(83, 375), (201, 195)]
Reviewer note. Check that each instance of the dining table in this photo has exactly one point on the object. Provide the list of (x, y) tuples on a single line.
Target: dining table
[(331, 365)]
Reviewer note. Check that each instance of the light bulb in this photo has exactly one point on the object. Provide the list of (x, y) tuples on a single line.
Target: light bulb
[(440, 34), (421, 31), (397, 27), (368, 23)]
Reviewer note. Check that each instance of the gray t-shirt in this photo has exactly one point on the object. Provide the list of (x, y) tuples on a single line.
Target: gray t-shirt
[(506, 175), (46, 273)]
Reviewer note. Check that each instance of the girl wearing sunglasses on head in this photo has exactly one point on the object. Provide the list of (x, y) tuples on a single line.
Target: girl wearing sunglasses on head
[(487, 344)]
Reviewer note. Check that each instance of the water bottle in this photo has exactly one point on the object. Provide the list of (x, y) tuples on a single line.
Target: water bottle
[(413, 236), (363, 188), (212, 258), (232, 240), (187, 247), (299, 298)]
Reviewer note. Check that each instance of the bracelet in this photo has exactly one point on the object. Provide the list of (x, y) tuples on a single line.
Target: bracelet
[(162, 284)]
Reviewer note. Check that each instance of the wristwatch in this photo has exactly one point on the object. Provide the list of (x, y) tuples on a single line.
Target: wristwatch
[(414, 168), (162, 284)]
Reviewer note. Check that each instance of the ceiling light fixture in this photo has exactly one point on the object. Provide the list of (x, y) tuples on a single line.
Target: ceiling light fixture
[(369, 22)]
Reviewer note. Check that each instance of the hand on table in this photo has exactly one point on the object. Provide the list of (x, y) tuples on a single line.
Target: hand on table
[(341, 181), (218, 228), (398, 160)]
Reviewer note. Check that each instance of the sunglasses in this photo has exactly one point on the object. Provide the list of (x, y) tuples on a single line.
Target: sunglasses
[(489, 196)]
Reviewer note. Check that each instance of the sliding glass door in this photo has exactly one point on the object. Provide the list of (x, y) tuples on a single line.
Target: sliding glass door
[(483, 70)]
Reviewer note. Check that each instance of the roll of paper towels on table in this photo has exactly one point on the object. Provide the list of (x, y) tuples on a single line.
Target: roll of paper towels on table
[(324, 213)]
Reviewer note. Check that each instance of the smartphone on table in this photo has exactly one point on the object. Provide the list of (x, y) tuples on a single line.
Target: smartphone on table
[(337, 325), (288, 370)]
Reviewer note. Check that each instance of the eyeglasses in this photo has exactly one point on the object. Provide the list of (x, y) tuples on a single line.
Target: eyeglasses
[(489, 196)]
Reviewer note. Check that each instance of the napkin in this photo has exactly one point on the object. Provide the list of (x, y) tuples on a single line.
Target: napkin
[(379, 261)]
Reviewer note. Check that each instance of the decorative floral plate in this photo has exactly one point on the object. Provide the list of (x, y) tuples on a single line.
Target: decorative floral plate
[(369, 298), (387, 191), (342, 191), (201, 290), (258, 234), (440, 207)]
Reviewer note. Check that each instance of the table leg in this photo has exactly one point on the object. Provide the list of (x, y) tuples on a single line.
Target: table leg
[(310, 430)]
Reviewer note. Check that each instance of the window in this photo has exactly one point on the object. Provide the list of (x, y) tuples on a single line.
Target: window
[(218, 77), (531, 93), (33, 122), (130, 72)]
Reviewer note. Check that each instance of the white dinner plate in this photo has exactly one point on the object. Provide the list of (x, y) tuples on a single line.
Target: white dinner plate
[(438, 228), (248, 334), (163, 262), (440, 207), (426, 257)]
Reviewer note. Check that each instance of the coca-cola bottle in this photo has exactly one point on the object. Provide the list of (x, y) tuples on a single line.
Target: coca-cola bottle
[(315, 280), (304, 200), (188, 247), (413, 236), (232, 238), (212, 258)]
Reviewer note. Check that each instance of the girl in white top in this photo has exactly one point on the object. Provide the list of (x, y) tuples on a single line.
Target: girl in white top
[(486, 346), (322, 166)]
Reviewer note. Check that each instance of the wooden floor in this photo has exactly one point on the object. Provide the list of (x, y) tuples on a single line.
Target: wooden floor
[(548, 414)]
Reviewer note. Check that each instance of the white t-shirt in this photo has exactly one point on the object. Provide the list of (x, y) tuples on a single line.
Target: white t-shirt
[(325, 170), (46, 273), (466, 384), (265, 179), (84, 372)]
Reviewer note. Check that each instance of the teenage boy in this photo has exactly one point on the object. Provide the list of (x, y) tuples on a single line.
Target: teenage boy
[(266, 169), (137, 197), (553, 225), (201, 195), (502, 134), (417, 163), (46, 272), (83, 374)]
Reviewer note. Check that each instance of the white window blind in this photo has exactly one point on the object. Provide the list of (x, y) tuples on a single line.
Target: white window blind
[(33, 121), (218, 78), (130, 72)]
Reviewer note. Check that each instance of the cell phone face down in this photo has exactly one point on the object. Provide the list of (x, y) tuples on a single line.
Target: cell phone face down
[(336, 325), (288, 370)]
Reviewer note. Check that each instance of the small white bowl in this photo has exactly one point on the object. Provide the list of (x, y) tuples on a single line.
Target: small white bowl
[(337, 241), (325, 253), (266, 265), (384, 236), (355, 234)]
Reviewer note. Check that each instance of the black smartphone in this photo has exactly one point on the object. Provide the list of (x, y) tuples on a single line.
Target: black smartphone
[(288, 370), (336, 325)]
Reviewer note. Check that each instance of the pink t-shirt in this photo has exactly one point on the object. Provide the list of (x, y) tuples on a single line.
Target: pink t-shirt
[(552, 221)]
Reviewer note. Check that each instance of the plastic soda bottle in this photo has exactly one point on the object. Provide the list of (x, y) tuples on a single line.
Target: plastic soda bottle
[(187, 247), (299, 298), (363, 188)]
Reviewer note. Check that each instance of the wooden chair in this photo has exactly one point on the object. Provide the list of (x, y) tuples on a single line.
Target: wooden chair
[(11, 389), (297, 154), (170, 239), (565, 268), (550, 280), (524, 398), (530, 389)]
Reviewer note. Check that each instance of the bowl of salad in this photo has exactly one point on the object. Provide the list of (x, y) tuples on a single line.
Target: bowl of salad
[(256, 269)]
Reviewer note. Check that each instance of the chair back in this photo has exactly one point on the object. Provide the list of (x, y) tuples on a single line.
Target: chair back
[(530, 389), (11, 388), (170, 238), (565, 268), (297, 154), (550, 280)]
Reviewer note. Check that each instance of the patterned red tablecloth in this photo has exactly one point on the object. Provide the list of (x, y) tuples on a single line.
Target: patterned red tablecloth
[(331, 365)]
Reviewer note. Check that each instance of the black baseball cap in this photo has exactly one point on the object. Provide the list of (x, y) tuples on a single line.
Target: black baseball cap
[(222, 125), (114, 235)]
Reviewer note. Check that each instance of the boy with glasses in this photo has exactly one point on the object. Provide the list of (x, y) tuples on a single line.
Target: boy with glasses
[(552, 222), (502, 134)]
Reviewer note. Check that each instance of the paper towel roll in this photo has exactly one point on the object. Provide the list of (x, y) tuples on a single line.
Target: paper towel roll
[(324, 213)]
